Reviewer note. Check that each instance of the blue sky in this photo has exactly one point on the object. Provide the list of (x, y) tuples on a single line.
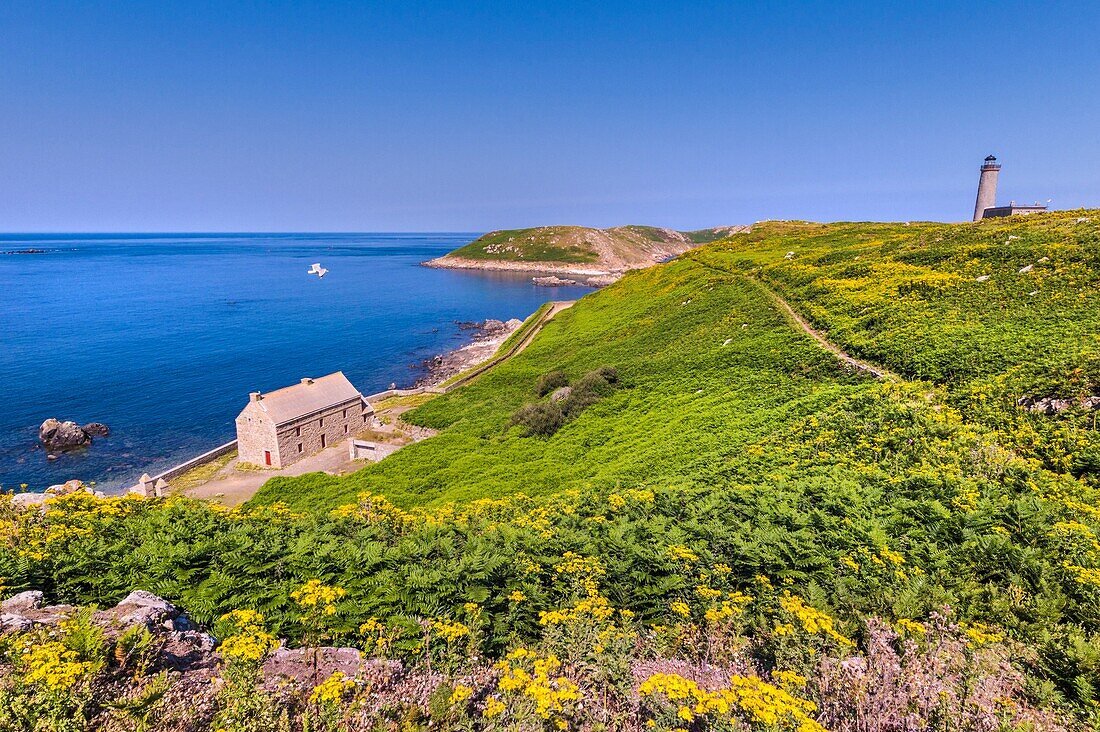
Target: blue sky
[(362, 116)]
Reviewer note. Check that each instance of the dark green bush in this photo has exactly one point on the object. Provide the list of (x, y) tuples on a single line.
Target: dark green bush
[(549, 382), (539, 420)]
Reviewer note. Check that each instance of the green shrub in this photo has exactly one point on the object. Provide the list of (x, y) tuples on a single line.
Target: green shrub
[(539, 420), (551, 381)]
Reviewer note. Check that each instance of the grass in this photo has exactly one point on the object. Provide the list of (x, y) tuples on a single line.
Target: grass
[(201, 474), (408, 400), (697, 388), (527, 245)]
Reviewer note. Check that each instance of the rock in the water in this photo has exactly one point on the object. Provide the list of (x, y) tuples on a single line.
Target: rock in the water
[(97, 429), (552, 281), (57, 436)]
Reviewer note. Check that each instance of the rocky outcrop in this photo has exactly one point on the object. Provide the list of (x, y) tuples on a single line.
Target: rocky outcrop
[(191, 663), (97, 429), (553, 281), (57, 436), (1051, 405), (561, 394)]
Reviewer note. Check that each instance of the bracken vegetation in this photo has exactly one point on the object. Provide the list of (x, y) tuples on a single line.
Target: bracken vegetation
[(742, 535)]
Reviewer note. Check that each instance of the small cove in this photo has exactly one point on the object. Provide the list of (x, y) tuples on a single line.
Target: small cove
[(162, 336)]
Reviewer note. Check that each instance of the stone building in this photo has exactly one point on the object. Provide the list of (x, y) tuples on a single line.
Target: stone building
[(985, 206), (281, 427)]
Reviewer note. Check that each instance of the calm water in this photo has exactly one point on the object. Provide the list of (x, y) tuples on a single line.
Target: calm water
[(161, 337)]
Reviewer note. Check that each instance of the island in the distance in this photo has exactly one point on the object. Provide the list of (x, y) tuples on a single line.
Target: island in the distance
[(593, 256)]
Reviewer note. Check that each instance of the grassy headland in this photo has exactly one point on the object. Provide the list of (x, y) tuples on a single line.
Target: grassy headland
[(577, 249)]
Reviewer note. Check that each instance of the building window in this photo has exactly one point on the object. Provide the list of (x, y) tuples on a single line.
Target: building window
[(297, 431), (321, 422), (345, 414), (324, 442), (299, 448), (345, 429)]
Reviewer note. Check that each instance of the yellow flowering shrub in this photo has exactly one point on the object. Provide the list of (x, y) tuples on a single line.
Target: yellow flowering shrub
[(51, 664), (533, 681), (246, 640), (449, 630), (318, 596), (812, 620), (332, 690), (673, 700)]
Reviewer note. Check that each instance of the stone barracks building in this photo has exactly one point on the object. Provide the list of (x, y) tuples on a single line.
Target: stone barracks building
[(283, 426)]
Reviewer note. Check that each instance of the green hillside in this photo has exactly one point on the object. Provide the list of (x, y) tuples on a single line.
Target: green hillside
[(538, 244), (734, 485), (616, 249)]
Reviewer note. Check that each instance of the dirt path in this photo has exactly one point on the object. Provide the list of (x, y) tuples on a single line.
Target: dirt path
[(877, 371), (785, 307), (555, 307)]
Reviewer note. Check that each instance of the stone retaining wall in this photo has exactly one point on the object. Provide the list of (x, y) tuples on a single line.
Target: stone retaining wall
[(178, 470)]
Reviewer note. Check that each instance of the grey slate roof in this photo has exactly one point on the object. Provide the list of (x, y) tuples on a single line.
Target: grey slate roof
[(291, 402)]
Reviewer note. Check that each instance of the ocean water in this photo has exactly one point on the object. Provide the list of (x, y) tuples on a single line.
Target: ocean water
[(162, 337)]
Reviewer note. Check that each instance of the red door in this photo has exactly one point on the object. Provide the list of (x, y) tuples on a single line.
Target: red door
[(267, 457)]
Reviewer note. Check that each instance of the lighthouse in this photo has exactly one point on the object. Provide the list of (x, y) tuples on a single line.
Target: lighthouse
[(987, 187), (986, 206)]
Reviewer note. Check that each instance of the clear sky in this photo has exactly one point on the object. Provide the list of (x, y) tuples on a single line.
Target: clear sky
[(470, 116)]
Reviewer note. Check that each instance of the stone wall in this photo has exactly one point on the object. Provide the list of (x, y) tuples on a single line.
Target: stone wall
[(302, 437), (255, 433)]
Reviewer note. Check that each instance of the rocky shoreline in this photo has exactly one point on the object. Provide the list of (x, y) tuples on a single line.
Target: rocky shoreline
[(547, 271), (489, 335)]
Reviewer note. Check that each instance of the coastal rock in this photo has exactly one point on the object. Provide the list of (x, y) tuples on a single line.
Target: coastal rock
[(491, 327), (97, 429), (553, 281), (602, 280), (23, 500), (64, 489), (57, 436)]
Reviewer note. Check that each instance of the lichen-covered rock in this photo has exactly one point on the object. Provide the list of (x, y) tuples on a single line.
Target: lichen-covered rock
[(139, 608), (29, 600), (561, 394)]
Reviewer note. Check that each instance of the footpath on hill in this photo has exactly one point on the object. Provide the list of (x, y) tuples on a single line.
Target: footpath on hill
[(878, 372)]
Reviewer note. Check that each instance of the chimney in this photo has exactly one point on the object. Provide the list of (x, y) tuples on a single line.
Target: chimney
[(307, 380), (254, 396)]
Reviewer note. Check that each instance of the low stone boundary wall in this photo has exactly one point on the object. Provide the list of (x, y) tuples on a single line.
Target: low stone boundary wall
[(392, 393), (178, 470)]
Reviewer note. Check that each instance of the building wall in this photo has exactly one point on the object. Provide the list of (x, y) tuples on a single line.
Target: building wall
[(999, 211), (256, 433), (302, 437)]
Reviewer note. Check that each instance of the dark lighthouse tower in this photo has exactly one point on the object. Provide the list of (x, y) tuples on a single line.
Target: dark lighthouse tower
[(987, 187)]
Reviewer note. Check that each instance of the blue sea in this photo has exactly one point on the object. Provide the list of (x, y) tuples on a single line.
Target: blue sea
[(162, 336)]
